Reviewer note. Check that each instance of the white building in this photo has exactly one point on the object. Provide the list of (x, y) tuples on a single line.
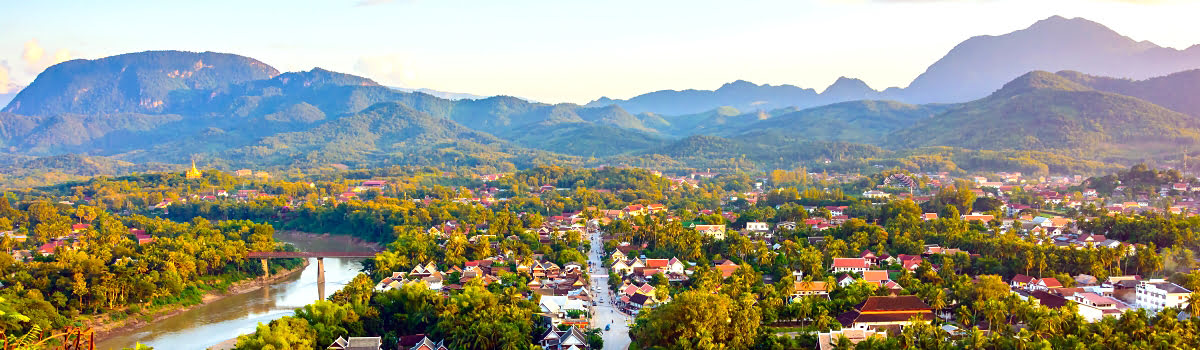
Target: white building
[(1158, 294), (859, 265), (717, 232), (1093, 307), (758, 226)]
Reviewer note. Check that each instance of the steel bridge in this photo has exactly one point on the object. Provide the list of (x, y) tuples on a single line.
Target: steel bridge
[(320, 256)]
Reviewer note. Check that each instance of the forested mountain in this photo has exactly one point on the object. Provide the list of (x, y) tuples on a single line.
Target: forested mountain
[(144, 82), (1176, 91), (320, 118), (856, 121), (1044, 111), (978, 65), (384, 134)]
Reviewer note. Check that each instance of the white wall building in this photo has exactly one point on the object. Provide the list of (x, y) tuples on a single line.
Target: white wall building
[(1158, 294)]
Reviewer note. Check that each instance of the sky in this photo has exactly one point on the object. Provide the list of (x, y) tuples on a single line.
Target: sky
[(560, 50)]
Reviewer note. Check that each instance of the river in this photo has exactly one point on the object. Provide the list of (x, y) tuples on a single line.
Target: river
[(206, 325)]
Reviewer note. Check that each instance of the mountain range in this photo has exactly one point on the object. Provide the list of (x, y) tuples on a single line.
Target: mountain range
[(969, 71), (150, 109)]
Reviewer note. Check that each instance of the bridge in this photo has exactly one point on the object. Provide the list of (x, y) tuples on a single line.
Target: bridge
[(320, 262), (318, 255)]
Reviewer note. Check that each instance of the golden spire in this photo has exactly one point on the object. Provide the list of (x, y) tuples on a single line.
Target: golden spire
[(194, 173)]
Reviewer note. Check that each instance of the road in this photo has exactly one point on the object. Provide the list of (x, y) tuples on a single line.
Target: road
[(605, 312)]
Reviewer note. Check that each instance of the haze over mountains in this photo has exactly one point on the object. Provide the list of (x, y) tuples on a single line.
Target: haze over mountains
[(234, 111), (970, 71)]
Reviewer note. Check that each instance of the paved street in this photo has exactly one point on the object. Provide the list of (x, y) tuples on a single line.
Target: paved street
[(606, 314)]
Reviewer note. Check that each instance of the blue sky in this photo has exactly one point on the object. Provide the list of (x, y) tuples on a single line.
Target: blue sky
[(561, 50)]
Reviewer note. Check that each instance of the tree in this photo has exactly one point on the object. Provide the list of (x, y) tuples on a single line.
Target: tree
[(285, 333), (479, 319), (330, 320), (696, 319)]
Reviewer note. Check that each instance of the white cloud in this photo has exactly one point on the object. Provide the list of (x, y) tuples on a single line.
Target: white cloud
[(36, 59), (386, 69), (33, 54), (6, 84)]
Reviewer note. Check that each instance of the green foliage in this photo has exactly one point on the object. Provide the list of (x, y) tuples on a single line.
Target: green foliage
[(697, 319), (288, 332)]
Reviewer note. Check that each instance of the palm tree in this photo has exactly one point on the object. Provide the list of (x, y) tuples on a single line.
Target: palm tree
[(1193, 307)]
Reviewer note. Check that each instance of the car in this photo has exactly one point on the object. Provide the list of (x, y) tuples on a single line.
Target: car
[(607, 327)]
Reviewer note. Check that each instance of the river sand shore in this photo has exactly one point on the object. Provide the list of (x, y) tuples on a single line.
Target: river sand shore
[(104, 327)]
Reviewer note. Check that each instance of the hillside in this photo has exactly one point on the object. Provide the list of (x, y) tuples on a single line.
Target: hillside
[(583, 139), (857, 121), (1176, 91), (975, 67), (1043, 111), (384, 134), (144, 82)]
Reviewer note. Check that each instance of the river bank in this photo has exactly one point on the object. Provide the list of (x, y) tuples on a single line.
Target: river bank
[(242, 307), (105, 327)]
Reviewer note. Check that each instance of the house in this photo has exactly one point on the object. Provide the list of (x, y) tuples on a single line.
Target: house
[(570, 339), (1157, 294), (876, 194), (141, 237), (621, 268), (48, 248), (877, 277), (984, 218), (674, 266), (1021, 281), (1093, 307), (845, 280), (1084, 280), (828, 341), (850, 265), (929, 216), (1045, 284), (756, 226), (715, 231), (422, 343), (726, 267), (808, 288), (622, 251), (883, 312), (870, 257), (356, 343), (560, 305)]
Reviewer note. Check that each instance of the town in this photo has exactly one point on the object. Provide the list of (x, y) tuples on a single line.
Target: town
[(582, 261)]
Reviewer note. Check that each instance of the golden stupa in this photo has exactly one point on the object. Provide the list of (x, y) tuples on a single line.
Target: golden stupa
[(194, 173)]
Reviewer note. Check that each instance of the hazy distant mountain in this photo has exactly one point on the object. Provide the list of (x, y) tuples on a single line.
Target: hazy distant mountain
[(138, 82), (742, 95), (970, 71), (453, 96), (848, 89), (979, 65), (1044, 111)]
